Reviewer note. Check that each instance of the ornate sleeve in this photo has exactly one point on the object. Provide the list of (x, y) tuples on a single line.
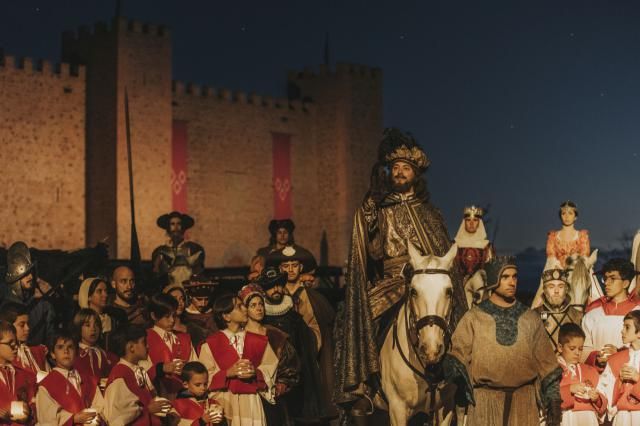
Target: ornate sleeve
[(585, 244), (549, 371), (551, 247)]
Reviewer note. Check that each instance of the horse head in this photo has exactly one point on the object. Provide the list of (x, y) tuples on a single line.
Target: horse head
[(430, 301), (181, 267), (579, 270), (475, 288)]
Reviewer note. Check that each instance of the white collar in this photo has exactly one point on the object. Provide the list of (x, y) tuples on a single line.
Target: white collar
[(280, 309), (476, 240)]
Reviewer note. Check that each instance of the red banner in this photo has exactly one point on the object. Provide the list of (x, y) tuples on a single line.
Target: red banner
[(281, 150), (179, 166)]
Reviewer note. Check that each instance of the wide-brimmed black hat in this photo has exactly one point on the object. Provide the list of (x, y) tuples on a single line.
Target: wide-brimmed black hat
[(290, 253), (200, 286), (187, 221), (276, 224), (271, 277)]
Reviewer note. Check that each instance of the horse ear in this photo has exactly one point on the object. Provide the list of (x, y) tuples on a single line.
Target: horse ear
[(191, 260), (450, 256), (593, 258), (169, 257), (414, 255)]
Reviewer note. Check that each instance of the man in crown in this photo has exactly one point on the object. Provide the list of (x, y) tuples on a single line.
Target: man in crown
[(474, 250), (175, 225), (396, 212), (556, 308)]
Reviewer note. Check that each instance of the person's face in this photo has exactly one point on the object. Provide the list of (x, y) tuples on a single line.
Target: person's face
[(175, 226), (471, 224), (239, 313), (98, 300), (275, 294), (90, 331), (124, 283), (201, 303), (22, 328), (293, 269), (629, 332), (568, 216), (255, 309), (508, 283), (8, 348), (198, 384), (26, 282), (179, 296), (64, 353), (614, 285), (138, 349), (166, 322), (403, 176), (572, 350), (555, 292), (282, 236)]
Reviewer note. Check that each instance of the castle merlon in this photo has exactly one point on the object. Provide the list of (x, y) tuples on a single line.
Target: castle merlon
[(84, 32), (42, 67)]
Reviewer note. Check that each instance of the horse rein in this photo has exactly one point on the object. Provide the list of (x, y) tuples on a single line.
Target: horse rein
[(428, 320)]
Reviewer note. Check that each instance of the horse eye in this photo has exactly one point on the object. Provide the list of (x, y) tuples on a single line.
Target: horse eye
[(449, 292), (414, 293)]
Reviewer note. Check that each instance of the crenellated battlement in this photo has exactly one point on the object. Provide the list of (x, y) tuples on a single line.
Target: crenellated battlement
[(123, 24), (238, 97), (42, 67), (342, 70)]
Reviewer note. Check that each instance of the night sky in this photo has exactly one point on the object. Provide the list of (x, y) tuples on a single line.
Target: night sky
[(518, 104)]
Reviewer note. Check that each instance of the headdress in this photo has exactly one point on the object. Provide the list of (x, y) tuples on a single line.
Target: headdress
[(83, 292), (164, 220), (473, 211), (271, 277), (495, 267), (554, 275), (200, 286), (248, 291), (569, 205), (291, 253), (399, 146), (19, 262)]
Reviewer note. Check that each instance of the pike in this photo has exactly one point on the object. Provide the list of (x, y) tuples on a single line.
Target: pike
[(135, 245)]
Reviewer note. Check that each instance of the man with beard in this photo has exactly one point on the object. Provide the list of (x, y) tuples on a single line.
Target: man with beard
[(175, 224), (198, 316), (556, 306), (501, 349), (25, 288), (474, 250), (281, 235), (305, 402), (128, 306), (395, 211)]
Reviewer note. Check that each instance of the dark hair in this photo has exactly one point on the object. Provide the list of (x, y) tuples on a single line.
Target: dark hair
[(162, 305), (624, 267), (63, 335), (569, 204), (11, 311), (568, 331), (94, 285), (6, 327), (80, 318), (191, 368), (635, 317), (223, 305), (125, 335), (272, 238)]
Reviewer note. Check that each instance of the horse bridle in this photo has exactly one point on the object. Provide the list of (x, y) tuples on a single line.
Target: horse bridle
[(427, 373)]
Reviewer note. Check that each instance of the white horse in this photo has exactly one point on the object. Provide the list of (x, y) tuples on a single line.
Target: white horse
[(475, 288), (181, 267), (415, 344)]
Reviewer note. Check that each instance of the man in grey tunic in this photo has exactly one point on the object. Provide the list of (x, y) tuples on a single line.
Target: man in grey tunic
[(506, 352)]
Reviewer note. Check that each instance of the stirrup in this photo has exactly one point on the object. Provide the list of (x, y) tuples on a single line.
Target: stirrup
[(358, 412)]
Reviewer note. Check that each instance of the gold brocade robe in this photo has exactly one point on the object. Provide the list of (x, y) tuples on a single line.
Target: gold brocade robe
[(374, 282)]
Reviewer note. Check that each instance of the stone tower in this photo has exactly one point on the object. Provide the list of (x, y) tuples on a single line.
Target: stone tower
[(136, 57)]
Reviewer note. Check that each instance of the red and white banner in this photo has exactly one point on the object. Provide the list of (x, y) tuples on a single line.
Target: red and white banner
[(281, 150), (179, 166)]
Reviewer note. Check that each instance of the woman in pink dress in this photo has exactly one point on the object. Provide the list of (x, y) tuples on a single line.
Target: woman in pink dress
[(563, 243)]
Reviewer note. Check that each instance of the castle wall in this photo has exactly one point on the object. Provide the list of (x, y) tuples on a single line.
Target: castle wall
[(42, 123), (230, 169)]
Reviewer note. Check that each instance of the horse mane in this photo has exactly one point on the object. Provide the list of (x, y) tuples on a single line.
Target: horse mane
[(580, 275)]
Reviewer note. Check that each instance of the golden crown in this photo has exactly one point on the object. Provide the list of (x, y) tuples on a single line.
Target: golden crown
[(473, 211), (554, 275), (414, 156)]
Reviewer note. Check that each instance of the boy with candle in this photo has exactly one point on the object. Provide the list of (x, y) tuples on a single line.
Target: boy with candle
[(194, 404)]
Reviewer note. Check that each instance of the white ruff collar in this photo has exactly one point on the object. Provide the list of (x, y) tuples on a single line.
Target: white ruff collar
[(476, 240), (277, 310)]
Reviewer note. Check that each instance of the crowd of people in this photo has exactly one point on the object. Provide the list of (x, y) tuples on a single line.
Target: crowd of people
[(275, 352)]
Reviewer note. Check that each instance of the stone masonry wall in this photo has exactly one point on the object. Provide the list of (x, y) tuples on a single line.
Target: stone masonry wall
[(42, 125)]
